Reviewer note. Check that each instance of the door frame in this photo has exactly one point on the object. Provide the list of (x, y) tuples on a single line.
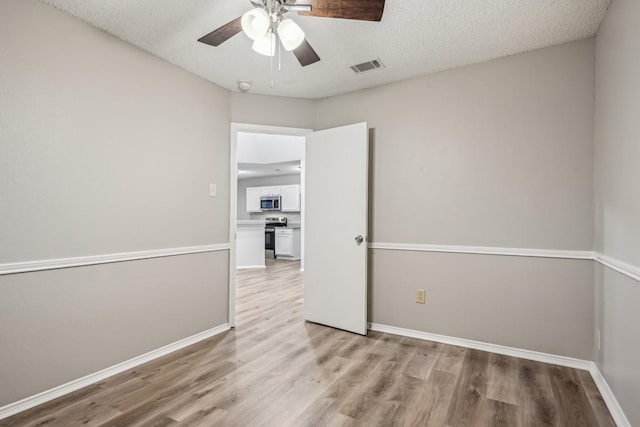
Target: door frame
[(233, 196)]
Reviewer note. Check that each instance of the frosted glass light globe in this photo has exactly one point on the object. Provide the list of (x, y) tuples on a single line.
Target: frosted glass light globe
[(265, 45), (255, 23), (291, 35)]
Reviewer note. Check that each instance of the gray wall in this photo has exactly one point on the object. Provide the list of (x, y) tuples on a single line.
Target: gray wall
[(103, 149), (617, 160), (273, 110), (541, 304), (496, 154), (98, 154), (59, 325), (264, 182)]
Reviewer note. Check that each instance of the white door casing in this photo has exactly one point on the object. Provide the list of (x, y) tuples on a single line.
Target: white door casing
[(233, 197), (336, 214)]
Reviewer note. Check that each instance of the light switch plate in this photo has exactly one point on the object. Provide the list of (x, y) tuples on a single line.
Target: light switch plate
[(420, 296), (212, 190)]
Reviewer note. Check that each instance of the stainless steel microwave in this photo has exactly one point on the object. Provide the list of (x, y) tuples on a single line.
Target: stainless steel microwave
[(270, 203)]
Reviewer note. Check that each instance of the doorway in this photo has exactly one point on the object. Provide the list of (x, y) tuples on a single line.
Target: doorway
[(250, 170), (333, 218)]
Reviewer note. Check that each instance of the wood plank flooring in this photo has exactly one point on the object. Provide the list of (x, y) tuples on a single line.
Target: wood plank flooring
[(276, 370)]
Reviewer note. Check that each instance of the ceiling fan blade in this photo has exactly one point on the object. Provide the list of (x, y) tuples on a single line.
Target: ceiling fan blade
[(305, 54), (364, 10), (222, 34)]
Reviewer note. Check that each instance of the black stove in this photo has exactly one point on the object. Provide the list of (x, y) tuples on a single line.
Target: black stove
[(273, 222), (270, 232)]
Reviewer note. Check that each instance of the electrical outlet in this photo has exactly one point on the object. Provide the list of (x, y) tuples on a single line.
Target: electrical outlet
[(597, 339), (420, 296)]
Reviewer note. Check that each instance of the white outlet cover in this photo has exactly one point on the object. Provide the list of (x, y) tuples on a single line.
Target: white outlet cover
[(212, 190)]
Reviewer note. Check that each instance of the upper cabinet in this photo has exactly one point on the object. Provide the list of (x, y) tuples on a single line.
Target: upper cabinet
[(289, 197), (270, 191), (253, 199), (290, 201)]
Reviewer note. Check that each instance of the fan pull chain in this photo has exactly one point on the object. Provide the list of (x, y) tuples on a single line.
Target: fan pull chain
[(279, 53), (271, 56), (271, 70)]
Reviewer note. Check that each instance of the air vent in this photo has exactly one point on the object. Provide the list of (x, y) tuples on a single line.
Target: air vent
[(367, 66)]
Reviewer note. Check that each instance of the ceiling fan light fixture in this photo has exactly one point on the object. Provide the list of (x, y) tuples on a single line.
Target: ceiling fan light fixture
[(255, 23), (265, 45), (291, 35)]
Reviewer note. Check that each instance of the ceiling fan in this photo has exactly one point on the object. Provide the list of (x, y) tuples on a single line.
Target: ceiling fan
[(266, 24)]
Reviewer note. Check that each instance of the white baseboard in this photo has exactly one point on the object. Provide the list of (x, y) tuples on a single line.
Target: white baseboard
[(54, 393), (612, 404), (588, 365), (493, 348), (247, 267), (609, 398)]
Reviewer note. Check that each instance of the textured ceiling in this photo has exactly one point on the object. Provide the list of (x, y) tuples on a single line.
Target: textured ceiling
[(415, 37)]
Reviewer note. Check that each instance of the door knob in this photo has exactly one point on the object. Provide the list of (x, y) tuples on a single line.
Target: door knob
[(359, 239)]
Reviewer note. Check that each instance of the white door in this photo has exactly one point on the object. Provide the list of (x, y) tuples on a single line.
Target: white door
[(335, 270)]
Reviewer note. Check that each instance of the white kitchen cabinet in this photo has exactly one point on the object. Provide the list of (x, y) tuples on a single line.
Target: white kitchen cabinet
[(290, 201), (288, 242), (250, 244), (253, 199), (269, 191), (284, 242)]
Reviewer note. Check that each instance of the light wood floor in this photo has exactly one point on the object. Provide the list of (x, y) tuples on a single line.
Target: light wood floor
[(276, 370)]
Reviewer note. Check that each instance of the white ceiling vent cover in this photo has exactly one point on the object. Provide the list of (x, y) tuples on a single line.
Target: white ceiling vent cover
[(367, 66)]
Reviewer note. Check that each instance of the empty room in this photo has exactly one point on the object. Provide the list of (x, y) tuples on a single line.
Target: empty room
[(320, 213)]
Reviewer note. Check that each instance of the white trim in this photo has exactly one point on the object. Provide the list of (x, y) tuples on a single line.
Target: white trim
[(484, 250), (619, 266), (288, 257), (54, 393), (52, 264), (247, 267), (303, 200), (233, 195), (609, 398), (275, 130), (233, 219), (478, 345), (627, 269), (612, 404)]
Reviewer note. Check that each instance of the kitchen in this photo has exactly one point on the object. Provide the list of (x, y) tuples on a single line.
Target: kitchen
[(269, 199)]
